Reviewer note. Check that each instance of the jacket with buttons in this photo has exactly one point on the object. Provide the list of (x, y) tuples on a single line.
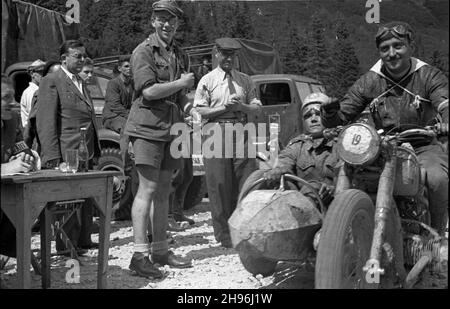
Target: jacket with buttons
[(152, 119), (310, 159)]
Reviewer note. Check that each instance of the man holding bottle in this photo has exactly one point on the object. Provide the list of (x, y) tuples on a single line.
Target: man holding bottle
[(64, 108)]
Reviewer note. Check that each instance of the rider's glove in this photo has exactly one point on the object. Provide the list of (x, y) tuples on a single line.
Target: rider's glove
[(331, 105), (324, 190)]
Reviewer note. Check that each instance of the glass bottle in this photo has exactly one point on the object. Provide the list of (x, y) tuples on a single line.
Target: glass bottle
[(83, 152)]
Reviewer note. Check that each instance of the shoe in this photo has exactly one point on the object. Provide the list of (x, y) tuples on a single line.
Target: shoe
[(182, 217), (174, 226), (170, 239), (92, 245), (171, 259), (142, 265)]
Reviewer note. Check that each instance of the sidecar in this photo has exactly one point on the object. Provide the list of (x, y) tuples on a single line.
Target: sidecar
[(271, 225)]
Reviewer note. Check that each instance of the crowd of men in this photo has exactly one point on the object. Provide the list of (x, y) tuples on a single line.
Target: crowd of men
[(150, 94)]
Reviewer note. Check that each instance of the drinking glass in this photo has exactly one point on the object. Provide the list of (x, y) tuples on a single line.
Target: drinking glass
[(72, 160)]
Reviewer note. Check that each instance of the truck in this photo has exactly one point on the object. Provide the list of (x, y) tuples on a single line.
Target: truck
[(281, 94)]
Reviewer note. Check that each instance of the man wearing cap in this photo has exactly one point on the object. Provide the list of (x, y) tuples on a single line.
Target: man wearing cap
[(311, 158), (160, 73), (35, 71), (225, 96), (401, 91)]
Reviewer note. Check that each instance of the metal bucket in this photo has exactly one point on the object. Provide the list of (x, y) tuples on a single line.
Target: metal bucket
[(278, 225)]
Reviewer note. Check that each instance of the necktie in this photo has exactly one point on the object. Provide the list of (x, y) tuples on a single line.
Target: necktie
[(232, 90), (230, 84), (77, 82)]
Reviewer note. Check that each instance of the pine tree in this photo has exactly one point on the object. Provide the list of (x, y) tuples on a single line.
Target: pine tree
[(243, 17), (293, 50), (345, 70), (318, 60)]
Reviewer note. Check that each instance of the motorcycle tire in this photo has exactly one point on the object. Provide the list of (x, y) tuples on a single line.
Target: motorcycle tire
[(351, 211)]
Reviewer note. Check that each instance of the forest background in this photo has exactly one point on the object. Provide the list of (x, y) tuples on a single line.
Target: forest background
[(329, 40)]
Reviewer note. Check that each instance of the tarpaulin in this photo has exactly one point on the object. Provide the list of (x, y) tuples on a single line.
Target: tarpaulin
[(255, 58), (30, 32)]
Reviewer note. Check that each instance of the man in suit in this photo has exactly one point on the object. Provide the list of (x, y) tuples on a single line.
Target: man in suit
[(64, 107)]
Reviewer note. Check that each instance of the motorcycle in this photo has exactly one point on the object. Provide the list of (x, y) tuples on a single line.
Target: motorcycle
[(375, 233)]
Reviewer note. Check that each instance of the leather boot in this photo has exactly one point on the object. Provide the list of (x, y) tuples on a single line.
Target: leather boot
[(171, 259), (142, 265)]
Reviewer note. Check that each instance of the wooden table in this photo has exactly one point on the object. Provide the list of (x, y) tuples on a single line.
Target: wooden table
[(23, 197)]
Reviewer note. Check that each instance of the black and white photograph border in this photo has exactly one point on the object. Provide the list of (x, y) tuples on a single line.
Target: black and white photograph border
[(342, 35)]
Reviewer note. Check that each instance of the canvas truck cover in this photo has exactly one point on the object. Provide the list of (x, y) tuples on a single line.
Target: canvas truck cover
[(30, 32), (255, 58)]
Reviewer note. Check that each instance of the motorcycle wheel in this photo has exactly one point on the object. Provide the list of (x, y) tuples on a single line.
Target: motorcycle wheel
[(345, 241), (256, 264)]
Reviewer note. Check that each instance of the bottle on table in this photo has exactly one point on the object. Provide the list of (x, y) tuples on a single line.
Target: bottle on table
[(83, 152)]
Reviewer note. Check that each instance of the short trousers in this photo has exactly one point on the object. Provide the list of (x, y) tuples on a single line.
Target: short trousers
[(154, 153)]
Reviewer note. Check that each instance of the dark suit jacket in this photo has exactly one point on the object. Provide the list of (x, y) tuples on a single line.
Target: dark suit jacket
[(61, 111)]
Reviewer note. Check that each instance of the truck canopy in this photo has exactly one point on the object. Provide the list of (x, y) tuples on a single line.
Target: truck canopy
[(253, 58), (31, 32)]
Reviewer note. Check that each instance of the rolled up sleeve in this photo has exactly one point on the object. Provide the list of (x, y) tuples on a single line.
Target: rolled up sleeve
[(202, 96), (143, 68)]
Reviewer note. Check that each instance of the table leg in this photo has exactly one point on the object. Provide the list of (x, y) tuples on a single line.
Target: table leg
[(105, 225), (23, 238), (45, 219)]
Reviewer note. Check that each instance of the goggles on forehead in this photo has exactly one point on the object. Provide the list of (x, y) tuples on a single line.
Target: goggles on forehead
[(311, 112), (399, 30)]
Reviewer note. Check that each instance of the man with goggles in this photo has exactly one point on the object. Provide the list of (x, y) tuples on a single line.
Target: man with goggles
[(311, 158), (402, 91)]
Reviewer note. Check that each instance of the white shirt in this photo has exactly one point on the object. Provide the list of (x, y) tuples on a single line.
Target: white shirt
[(213, 89), (77, 81), (25, 102)]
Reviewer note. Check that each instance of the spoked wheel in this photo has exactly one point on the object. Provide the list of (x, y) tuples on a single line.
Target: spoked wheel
[(345, 241), (254, 263)]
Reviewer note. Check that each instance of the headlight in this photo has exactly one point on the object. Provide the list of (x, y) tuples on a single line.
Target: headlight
[(358, 144)]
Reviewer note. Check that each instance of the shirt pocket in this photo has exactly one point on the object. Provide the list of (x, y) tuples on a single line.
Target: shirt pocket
[(162, 70), (305, 166)]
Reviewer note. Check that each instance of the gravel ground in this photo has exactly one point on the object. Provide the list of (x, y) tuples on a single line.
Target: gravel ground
[(214, 267)]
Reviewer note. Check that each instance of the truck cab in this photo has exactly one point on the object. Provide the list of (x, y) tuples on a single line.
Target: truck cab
[(282, 96)]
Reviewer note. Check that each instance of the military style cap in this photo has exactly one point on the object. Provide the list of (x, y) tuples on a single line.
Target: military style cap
[(169, 6), (228, 44), (37, 65), (315, 98)]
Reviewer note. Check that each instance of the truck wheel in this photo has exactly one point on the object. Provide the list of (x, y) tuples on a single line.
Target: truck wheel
[(195, 192), (111, 160), (345, 241), (254, 263)]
